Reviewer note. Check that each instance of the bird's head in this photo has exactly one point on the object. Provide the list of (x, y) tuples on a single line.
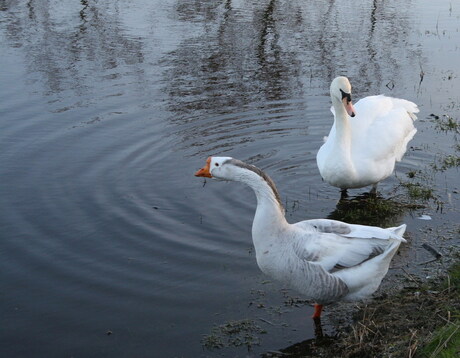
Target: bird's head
[(341, 91), (216, 167)]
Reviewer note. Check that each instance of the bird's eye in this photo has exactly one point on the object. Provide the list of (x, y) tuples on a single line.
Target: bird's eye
[(217, 164), (346, 95)]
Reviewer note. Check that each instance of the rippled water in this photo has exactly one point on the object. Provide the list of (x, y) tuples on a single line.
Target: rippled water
[(109, 246)]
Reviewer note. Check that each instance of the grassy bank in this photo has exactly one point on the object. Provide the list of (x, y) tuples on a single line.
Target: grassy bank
[(417, 322)]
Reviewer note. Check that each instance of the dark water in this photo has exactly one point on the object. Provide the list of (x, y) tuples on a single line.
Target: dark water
[(109, 246)]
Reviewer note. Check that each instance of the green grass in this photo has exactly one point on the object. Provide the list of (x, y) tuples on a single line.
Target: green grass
[(450, 161), (445, 341), (452, 282), (446, 123), (417, 191)]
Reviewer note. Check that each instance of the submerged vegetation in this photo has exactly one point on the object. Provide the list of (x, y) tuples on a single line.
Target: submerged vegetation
[(371, 210), (418, 191), (446, 123), (450, 161), (233, 334), (422, 183)]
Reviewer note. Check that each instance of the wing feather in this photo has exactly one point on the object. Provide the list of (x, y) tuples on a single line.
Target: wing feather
[(337, 245)]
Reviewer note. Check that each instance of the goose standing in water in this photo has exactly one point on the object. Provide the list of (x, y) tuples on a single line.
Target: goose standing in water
[(364, 144), (325, 260)]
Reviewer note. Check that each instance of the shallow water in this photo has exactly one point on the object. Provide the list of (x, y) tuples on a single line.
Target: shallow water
[(109, 246)]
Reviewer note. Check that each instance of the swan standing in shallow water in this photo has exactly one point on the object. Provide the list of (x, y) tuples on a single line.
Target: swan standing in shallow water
[(362, 150), (325, 260)]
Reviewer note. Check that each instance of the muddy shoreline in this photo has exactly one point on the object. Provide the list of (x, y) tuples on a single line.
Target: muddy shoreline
[(391, 325)]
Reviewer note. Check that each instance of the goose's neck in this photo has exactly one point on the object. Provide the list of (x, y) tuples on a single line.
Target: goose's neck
[(269, 212), (269, 216)]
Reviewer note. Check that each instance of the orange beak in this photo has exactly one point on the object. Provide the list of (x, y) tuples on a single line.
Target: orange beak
[(204, 172), (349, 107)]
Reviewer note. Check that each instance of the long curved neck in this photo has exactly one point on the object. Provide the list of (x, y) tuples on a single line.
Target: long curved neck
[(269, 217), (269, 212), (342, 126)]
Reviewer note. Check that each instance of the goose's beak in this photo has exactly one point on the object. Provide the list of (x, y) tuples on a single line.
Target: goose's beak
[(204, 172), (349, 107)]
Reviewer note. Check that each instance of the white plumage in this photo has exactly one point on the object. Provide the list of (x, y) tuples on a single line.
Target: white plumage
[(361, 150)]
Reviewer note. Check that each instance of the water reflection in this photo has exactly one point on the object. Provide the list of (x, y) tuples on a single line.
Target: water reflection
[(237, 64), (276, 50), (244, 52), (68, 47), (363, 40)]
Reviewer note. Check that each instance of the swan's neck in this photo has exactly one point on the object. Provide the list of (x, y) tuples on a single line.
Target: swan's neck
[(342, 127)]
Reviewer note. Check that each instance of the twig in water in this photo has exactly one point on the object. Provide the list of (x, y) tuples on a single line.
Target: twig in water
[(410, 276), (264, 320), (427, 262), (422, 74), (432, 250)]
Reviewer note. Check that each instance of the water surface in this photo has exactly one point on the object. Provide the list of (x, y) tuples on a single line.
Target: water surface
[(109, 246)]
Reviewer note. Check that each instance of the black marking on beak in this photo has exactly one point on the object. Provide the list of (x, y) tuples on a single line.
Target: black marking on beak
[(346, 95)]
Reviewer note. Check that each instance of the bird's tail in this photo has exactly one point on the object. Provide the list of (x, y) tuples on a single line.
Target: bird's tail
[(364, 279), (410, 107), (398, 232)]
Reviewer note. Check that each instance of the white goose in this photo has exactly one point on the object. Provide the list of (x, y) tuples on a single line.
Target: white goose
[(362, 150), (326, 260)]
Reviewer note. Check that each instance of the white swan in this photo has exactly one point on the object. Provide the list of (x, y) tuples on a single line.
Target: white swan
[(326, 260), (362, 150)]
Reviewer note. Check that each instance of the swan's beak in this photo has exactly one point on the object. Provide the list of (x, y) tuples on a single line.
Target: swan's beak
[(204, 172), (349, 107)]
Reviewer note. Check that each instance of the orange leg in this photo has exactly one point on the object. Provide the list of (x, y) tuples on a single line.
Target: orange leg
[(317, 313)]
